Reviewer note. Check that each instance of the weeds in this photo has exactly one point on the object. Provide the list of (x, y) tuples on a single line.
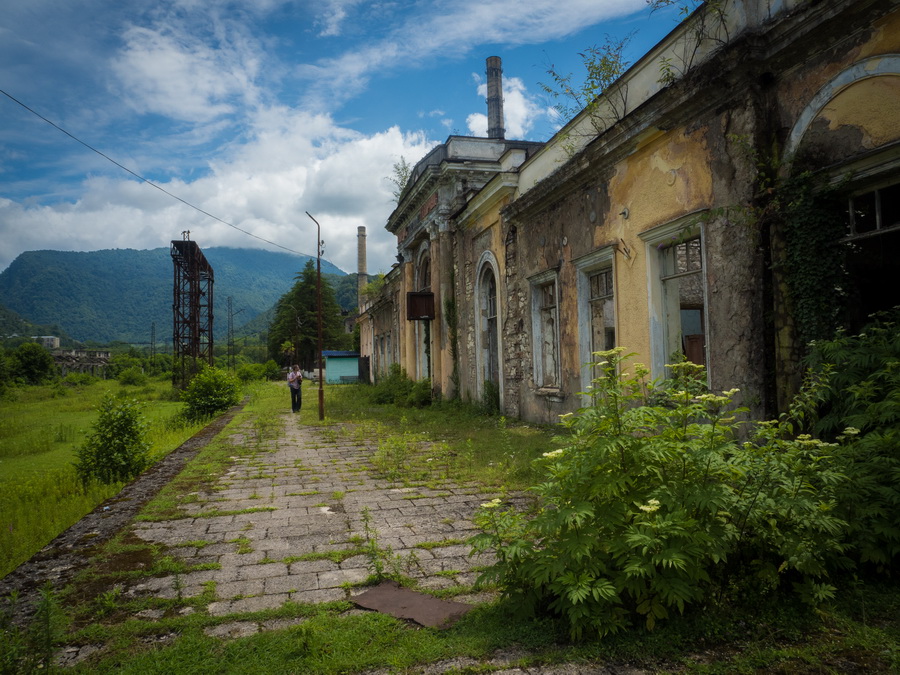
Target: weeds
[(383, 563), (30, 649)]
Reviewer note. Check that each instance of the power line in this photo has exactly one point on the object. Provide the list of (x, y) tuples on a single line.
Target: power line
[(145, 180)]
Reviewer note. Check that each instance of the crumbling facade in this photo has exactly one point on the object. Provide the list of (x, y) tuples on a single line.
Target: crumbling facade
[(659, 219)]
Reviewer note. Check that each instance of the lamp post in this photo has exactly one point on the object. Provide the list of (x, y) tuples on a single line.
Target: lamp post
[(319, 246)]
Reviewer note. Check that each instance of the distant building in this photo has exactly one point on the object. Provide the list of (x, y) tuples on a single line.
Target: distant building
[(341, 367), (47, 341), (92, 362)]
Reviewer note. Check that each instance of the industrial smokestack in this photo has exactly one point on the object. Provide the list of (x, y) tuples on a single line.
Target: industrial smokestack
[(495, 98), (362, 276)]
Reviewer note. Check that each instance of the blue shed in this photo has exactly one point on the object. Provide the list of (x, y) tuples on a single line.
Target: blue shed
[(341, 367)]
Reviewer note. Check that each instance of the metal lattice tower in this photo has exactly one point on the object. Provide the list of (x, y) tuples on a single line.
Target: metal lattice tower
[(192, 309)]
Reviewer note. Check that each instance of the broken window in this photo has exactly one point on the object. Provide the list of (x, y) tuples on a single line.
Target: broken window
[(603, 328), (547, 339), (873, 233), (683, 300), (489, 324)]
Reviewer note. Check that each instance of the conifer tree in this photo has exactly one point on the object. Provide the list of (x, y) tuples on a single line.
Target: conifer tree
[(296, 321)]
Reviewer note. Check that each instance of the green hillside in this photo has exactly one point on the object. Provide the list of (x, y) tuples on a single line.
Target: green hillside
[(118, 294), (13, 326)]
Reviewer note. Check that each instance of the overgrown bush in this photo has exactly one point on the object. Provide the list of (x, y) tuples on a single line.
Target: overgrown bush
[(653, 504), (32, 364), (394, 386), (399, 389), (861, 408), (420, 395), (79, 380), (271, 370), (116, 448), (248, 372), (133, 376), (211, 391)]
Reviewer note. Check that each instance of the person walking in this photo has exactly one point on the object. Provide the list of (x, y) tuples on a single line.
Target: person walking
[(295, 379)]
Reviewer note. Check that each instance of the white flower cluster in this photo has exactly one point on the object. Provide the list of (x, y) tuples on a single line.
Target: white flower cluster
[(651, 506)]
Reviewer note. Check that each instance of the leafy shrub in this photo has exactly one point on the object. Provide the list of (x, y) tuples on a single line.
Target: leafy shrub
[(271, 370), (861, 408), (132, 376), (654, 504), (399, 389), (420, 395), (248, 372), (32, 364), (79, 380), (116, 448), (211, 391), (395, 386)]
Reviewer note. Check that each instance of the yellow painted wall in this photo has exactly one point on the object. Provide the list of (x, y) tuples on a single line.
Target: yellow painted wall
[(872, 105), (665, 179)]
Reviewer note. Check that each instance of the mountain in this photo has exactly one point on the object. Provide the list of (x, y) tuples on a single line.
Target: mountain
[(14, 326), (118, 294)]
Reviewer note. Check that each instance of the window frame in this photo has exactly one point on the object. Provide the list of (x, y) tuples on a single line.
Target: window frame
[(537, 284), (597, 261), (656, 241), (487, 263)]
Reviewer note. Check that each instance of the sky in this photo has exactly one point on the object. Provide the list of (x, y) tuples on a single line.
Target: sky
[(242, 116)]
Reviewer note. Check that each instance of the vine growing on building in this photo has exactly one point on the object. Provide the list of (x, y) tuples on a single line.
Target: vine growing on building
[(810, 219), (451, 314)]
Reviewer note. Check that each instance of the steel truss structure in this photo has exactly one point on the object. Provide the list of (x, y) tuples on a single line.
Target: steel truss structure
[(192, 309)]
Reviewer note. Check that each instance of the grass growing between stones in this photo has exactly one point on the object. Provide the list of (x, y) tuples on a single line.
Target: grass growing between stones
[(244, 438), (443, 442)]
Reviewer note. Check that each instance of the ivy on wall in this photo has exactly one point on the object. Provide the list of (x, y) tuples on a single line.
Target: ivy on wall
[(812, 223)]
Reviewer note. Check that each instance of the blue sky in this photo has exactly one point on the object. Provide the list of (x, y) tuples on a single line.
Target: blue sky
[(257, 111)]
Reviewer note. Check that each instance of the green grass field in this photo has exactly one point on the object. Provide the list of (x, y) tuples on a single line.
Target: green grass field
[(40, 428)]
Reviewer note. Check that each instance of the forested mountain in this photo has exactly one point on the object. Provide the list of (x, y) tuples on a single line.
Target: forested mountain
[(118, 294), (12, 326)]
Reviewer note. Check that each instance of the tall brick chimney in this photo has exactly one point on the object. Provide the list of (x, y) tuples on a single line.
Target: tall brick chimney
[(495, 98), (362, 276)]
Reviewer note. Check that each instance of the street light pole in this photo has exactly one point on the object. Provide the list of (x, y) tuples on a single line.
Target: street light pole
[(319, 245)]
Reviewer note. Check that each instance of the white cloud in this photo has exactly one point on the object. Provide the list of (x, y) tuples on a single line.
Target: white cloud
[(296, 162), (170, 71), (332, 15), (435, 30), (519, 110)]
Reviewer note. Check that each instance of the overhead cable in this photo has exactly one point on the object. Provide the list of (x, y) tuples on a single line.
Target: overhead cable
[(145, 180)]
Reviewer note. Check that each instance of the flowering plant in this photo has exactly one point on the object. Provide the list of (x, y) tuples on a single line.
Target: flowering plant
[(661, 496)]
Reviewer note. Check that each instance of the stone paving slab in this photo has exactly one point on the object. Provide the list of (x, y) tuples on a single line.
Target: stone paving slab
[(324, 498)]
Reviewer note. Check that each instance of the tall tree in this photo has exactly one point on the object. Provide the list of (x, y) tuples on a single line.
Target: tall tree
[(294, 332)]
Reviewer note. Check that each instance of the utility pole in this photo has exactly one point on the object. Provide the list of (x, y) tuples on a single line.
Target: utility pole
[(320, 245)]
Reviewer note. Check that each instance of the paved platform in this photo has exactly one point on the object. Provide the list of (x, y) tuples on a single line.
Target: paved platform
[(312, 492)]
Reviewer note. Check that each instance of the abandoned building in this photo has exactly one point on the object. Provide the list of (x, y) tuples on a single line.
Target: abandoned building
[(89, 361), (734, 194)]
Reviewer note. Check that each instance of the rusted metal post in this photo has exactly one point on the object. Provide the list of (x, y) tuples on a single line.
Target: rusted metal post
[(319, 243)]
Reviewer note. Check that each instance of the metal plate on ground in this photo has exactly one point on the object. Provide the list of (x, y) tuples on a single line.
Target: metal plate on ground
[(391, 598)]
